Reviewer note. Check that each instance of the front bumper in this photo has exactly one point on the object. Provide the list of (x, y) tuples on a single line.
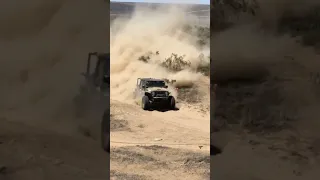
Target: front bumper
[(159, 100)]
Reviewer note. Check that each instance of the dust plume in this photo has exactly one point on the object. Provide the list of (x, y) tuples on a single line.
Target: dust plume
[(249, 49), (157, 31), (44, 46)]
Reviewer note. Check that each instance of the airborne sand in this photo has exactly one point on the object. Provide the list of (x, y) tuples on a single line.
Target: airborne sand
[(161, 31)]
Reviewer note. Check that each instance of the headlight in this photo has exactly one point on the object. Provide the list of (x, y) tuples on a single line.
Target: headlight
[(167, 93), (153, 94)]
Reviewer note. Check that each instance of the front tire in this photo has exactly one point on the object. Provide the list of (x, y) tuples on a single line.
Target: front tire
[(145, 103), (172, 103)]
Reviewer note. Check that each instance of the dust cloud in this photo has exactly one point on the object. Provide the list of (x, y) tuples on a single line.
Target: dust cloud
[(158, 31), (44, 47), (254, 40)]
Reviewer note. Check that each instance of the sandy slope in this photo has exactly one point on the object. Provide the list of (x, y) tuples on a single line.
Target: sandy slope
[(171, 126)]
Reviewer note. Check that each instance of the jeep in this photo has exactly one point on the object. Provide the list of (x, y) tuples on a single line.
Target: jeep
[(154, 93), (92, 103)]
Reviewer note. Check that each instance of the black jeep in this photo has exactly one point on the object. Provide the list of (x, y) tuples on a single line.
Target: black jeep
[(154, 92)]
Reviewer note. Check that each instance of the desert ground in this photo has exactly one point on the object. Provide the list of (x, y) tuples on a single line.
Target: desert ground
[(149, 145), (265, 64)]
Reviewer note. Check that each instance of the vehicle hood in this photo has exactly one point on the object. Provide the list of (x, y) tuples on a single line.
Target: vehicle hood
[(156, 89)]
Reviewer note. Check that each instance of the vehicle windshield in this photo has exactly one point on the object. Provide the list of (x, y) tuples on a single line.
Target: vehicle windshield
[(155, 83)]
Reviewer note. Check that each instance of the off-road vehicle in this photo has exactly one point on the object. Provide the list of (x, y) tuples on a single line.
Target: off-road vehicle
[(154, 93), (93, 101)]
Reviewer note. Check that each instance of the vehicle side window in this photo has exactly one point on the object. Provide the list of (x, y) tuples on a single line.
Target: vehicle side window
[(142, 83)]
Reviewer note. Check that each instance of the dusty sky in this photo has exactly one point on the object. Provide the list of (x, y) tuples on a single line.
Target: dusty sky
[(168, 1)]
